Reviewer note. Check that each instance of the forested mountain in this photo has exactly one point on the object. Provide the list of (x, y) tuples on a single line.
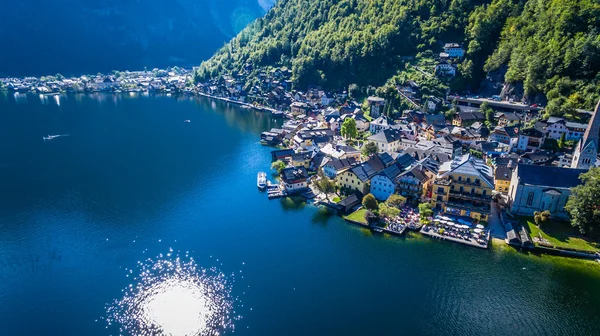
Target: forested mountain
[(550, 46), (81, 36)]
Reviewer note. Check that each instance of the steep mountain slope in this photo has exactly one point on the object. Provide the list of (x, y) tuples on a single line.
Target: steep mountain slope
[(69, 36), (549, 46)]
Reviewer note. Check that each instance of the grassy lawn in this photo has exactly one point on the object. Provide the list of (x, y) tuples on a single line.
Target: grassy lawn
[(336, 199), (560, 234), (358, 216)]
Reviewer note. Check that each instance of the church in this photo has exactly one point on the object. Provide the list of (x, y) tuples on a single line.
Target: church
[(539, 188), (586, 152)]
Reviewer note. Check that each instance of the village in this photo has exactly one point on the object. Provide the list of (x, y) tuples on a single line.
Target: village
[(466, 176)]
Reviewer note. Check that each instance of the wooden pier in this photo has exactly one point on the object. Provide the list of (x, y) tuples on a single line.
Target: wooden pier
[(433, 234)]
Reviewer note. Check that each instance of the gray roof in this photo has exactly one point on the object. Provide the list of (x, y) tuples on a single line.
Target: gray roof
[(386, 136), (547, 176)]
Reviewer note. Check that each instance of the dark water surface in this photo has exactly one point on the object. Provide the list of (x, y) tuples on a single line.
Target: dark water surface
[(133, 180)]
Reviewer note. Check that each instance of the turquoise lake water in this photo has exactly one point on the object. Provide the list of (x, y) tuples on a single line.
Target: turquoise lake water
[(132, 180)]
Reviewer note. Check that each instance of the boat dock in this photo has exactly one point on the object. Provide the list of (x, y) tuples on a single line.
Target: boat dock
[(274, 191), (433, 234)]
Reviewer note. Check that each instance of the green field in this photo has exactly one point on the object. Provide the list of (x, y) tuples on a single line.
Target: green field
[(560, 234), (358, 216)]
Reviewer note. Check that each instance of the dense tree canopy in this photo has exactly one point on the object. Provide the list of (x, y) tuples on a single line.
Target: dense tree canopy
[(583, 204), (552, 47)]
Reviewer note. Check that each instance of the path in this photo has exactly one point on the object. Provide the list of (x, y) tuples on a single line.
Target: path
[(495, 224)]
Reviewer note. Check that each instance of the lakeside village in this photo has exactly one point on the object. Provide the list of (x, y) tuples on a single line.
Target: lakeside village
[(480, 174)]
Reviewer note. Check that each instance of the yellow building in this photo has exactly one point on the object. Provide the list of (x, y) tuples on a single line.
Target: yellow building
[(464, 188), (354, 179), (502, 178)]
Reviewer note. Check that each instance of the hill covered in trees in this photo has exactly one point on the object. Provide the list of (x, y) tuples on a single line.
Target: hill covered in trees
[(551, 48)]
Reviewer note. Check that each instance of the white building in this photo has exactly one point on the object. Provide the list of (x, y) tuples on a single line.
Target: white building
[(387, 140), (454, 50), (382, 184)]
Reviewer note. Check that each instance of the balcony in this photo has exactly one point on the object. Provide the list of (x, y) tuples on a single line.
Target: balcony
[(469, 183), (480, 208), (470, 196)]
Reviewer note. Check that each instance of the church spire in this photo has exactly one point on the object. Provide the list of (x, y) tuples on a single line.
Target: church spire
[(591, 133), (586, 152)]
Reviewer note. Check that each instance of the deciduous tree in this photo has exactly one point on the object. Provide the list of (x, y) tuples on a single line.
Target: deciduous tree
[(584, 204), (369, 202)]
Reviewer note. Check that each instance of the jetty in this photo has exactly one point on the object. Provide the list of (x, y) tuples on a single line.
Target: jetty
[(429, 231)]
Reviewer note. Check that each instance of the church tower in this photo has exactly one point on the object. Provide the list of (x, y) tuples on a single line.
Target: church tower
[(586, 151)]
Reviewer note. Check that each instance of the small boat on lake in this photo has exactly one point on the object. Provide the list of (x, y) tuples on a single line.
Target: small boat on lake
[(261, 180), (50, 137)]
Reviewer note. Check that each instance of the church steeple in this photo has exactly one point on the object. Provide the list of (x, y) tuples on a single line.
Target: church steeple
[(586, 151)]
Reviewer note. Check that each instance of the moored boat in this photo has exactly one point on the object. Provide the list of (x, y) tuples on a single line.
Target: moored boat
[(261, 180)]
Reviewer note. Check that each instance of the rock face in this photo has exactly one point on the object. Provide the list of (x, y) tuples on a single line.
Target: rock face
[(80, 36)]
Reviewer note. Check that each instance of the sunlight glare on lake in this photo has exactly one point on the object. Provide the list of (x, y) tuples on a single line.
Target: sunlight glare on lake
[(175, 298)]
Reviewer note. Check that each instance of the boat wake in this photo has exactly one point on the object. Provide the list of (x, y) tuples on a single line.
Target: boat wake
[(51, 137)]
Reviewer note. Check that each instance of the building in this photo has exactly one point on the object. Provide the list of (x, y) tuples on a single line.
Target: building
[(576, 130), (358, 177), (530, 139), (444, 68), (413, 181), (586, 152), (463, 187), (376, 105), (502, 178), (387, 140), (433, 103), (539, 188), (556, 127), (338, 166), (379, 124), (299, 108), (508, 119), (454, 50), (383, 184), (294, 179), (466, 119)]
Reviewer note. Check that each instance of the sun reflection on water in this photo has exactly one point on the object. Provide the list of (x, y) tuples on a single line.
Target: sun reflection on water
[(174, 297)]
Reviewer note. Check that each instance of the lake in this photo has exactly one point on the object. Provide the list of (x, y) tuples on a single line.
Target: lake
[(129, 180)]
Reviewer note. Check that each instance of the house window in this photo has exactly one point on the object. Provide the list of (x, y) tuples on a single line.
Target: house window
[(484, 192), (462, 189), (468, 180), (476, 181), (440, 190), (530, 199)]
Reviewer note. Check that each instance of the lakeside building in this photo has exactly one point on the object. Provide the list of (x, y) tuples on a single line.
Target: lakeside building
[(539, 188), (464, 187), (295, 179)]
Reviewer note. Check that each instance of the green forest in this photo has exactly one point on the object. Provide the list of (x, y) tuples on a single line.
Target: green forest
[(551, 47)]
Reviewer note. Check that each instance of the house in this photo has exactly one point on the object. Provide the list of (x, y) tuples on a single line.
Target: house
[(503, 135), (299, 108), (376, 105), (387, 140), (463, 187), (502, 178), (341, 151), (508, 119), (576, 130), (381, 123), (358, 177), (556, 127), (362, 124), (383, 184), (454, 50), (334, 122), (435, 119), (306, 138), (294, 179), (302, 159), (433, 103), (281, 154), (444, 68), (539, 188), (541, 157), (466, 119), (337, 166), (413, 181), (530, 139), (349, 203)]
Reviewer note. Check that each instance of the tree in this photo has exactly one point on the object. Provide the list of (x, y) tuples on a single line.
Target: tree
[(396, 201), (278, 166), (370, 216), (370, 148), (583, 203), (425, 210), (541, 217), (388, 211), (487, 111), (348, 129), (369, 202), (561, 141), (325, 185)]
